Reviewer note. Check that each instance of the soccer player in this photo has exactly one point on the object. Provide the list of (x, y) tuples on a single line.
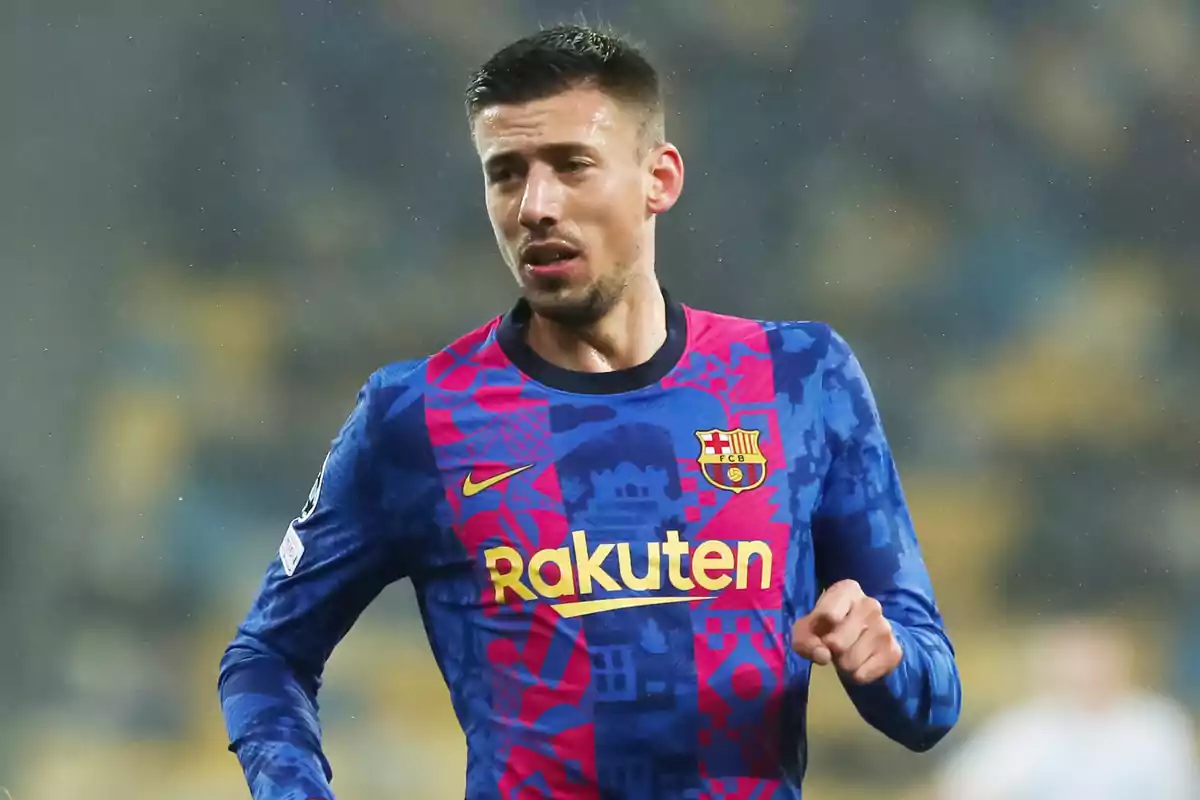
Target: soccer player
[(632, 526)]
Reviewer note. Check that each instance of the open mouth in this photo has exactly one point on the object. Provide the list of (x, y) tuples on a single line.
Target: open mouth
[(548, 255)]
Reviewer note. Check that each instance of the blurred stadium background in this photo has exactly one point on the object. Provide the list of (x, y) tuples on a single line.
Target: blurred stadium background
[(219, 217)]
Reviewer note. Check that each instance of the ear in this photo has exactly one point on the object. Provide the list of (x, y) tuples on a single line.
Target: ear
[(664, 178)]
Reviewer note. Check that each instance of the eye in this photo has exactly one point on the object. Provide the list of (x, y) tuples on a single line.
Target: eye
[(575, 165), (499, 175), (503, 171)]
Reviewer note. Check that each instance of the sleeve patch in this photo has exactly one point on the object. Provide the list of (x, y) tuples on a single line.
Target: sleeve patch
[(290, 551)]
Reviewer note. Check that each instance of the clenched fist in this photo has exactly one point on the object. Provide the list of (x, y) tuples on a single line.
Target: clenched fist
[(848, 629)]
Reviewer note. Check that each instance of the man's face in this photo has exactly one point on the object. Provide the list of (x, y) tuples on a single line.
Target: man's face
[(569, 185)]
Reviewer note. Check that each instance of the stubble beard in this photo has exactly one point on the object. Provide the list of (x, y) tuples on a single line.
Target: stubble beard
[(578, 308)]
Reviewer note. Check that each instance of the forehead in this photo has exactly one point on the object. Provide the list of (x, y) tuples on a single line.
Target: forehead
[(578, 116)]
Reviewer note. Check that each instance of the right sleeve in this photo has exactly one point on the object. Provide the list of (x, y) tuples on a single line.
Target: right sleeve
[(336, 557)]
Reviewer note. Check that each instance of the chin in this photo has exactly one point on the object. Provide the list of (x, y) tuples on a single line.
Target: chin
[(571, 306)]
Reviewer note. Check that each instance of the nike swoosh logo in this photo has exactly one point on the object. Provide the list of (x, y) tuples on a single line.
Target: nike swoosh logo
[(470, 488)]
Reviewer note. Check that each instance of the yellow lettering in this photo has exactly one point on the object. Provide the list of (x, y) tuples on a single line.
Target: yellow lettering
[(561, 558), (714, 565), (674, 551), (511, 579), (589, 565), (744, 552), (652, 580), (712, 555)]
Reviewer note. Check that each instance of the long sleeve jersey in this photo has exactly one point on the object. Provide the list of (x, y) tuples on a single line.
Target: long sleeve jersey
[(608, 565)]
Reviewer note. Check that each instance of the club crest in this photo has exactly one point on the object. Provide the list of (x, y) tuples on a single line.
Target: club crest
[(731, 460)]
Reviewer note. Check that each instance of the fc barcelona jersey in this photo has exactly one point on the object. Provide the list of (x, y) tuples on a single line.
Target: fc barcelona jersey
[(608, 565)]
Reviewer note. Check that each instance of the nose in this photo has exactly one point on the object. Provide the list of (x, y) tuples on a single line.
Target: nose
[(541, 205)]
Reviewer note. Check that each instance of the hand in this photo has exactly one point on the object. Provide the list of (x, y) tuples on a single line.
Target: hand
[(848, 629)]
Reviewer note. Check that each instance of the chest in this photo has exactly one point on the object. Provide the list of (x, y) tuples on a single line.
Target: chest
[(679, 492)]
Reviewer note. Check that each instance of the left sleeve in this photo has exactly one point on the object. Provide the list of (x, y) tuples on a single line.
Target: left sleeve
[(337, 556), (862, 530)]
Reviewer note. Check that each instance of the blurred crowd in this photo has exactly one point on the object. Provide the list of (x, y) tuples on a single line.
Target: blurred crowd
[(223, 216)]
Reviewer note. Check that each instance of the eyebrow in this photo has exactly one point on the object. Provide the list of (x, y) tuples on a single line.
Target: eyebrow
[(551, 150)]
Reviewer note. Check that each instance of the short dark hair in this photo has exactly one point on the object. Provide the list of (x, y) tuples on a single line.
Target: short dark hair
[(565, 57)]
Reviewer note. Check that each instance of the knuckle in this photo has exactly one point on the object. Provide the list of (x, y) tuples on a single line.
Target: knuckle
[(838, 644), (847, 586)]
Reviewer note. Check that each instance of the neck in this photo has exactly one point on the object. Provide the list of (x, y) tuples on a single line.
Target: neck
[(628, 335)]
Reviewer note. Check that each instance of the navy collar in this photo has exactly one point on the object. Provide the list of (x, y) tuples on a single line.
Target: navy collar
[(512, 336)]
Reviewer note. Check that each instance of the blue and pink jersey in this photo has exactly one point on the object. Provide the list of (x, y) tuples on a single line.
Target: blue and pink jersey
[(608, 565)]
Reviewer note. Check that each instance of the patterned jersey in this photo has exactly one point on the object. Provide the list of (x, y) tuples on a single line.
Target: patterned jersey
[(608, 565)]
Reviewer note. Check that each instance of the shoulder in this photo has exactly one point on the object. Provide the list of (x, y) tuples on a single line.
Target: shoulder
[(814, 348), (399, 389), (799, 347), (387, 391), (797, 335), (397, 378), (703, 321), (411, 376), (820, 339)]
